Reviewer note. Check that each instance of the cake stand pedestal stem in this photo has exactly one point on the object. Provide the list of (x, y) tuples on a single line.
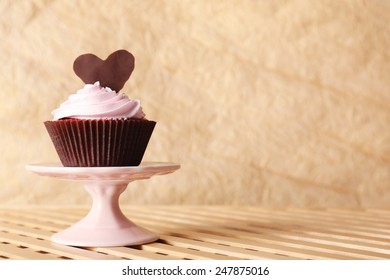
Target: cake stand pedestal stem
[(105, 211), (105, 224)]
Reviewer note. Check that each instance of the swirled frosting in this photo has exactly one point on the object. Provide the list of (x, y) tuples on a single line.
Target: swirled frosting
[(96, 102)]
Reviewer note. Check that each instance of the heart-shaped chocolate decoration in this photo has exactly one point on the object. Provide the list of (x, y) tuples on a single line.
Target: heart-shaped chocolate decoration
[(112, 72)]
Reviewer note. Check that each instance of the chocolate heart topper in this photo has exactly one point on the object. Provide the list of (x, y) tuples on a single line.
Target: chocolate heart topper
[(112, 72)]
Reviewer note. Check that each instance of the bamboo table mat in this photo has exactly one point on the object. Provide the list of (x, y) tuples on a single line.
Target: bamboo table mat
[(208, 232)]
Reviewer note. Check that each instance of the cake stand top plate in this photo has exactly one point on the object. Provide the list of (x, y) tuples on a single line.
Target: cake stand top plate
[(115, 173)]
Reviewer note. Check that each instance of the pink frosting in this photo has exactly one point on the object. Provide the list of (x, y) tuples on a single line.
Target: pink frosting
[(96, 102)]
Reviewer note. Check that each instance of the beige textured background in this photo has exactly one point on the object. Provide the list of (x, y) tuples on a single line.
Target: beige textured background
[(272, 103)]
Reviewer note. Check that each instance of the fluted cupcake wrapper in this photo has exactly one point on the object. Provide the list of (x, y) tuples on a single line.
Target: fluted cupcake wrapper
[(105, 142)]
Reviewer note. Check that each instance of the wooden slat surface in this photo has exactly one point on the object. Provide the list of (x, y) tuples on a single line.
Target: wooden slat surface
[(209, 232)]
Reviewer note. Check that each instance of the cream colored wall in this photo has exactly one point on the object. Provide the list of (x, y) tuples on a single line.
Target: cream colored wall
[(272, 103)]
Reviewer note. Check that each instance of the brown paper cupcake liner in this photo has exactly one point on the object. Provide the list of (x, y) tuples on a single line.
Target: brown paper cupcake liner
[(106, 142)]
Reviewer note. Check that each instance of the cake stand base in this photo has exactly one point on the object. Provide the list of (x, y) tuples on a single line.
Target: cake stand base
[(105, 225), (88, 237)]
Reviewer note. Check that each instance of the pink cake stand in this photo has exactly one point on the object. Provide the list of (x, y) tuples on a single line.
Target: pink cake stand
[(105, 224)]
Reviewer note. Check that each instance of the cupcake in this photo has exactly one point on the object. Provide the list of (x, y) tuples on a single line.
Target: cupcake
[(99, 126)]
